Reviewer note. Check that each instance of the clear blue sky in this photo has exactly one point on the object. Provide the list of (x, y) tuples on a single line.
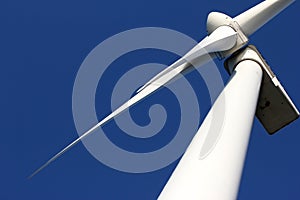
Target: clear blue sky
[(43, 44)]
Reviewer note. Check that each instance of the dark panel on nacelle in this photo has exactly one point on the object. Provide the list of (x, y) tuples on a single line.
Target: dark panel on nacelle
[(275, 109)]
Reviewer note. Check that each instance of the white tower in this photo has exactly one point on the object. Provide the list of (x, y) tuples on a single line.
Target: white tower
[(212, 165)]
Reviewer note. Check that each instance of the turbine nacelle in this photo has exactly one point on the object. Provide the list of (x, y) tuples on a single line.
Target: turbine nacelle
[(275, 109)]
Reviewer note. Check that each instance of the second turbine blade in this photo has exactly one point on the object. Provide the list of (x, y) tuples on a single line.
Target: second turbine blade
[(221, 39)]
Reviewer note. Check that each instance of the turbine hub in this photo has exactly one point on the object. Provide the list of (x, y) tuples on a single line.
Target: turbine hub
[(217, 19)]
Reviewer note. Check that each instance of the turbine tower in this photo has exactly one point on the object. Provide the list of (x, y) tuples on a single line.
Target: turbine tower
[(212, 165)]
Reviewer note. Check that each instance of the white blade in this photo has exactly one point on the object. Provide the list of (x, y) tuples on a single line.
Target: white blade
[(223, 38), (254, 18)]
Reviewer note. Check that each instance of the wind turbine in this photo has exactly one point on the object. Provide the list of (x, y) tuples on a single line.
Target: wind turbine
[(212, 165)]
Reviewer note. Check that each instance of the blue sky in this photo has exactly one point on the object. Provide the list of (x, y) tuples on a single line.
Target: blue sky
[(42, 47)]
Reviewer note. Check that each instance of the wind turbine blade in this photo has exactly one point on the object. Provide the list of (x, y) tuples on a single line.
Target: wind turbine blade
[(65, 149), (168, 69), (222, 39), (254, 18), (125, 106)]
